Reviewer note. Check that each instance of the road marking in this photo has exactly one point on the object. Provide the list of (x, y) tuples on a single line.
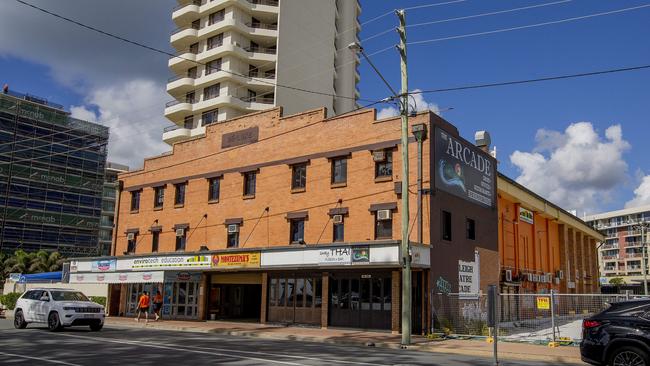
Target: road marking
[(40, 359), (180, 348), (171, 345)]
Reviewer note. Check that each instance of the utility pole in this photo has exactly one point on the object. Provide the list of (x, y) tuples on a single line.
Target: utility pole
[(405, 247)]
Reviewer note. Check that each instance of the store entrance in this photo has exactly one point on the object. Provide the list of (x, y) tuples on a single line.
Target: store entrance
[(235, 301), (361, 300)]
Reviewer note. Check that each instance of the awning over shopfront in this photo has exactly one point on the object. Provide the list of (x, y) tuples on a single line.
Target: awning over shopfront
[(125, 277)]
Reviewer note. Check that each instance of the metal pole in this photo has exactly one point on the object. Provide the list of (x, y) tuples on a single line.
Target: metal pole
[(553, 313), (405, 247)]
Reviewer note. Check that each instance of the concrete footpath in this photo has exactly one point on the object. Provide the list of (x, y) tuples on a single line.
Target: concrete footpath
[(510, 351)]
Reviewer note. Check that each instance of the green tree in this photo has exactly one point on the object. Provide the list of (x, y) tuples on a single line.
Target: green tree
[(19, 262), (43, 261), (617, 281)]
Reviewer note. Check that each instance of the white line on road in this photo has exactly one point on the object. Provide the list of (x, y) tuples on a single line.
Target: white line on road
[(39, 359), (175, 347)]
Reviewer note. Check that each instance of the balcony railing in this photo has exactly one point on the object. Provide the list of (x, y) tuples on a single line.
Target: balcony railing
[(257, 100), (257, 49), (605, 257), (264, 2), (262, 26), (180, 29), (176, 101), (261, 74), (633, 255), (34, 99), (194, 2), (171, 128)]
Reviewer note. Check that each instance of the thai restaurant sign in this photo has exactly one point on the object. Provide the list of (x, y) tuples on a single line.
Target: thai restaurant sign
[(165, 262), (236, 260), (463, 169)]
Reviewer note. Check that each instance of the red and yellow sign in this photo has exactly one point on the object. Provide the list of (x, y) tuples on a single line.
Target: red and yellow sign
[(236, 260), (543, 303)]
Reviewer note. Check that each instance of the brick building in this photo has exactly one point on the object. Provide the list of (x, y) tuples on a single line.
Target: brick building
[(296, 219)]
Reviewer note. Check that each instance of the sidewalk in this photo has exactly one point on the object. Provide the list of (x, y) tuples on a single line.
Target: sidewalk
[(511, 351)]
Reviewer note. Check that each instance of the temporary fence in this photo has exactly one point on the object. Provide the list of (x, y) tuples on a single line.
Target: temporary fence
[(534, 318)]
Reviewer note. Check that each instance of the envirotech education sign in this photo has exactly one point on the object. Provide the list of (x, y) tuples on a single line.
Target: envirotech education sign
[(463, 169)]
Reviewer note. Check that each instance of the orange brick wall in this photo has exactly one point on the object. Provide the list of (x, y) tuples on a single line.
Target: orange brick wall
[(261, 229)]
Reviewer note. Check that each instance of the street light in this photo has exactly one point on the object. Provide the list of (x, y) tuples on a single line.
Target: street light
[(643, 226)]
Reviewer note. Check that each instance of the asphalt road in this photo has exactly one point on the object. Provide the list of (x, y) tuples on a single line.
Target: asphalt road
[(133, 346)]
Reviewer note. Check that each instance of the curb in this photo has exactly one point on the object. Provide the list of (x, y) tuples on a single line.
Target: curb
[(350, 342)]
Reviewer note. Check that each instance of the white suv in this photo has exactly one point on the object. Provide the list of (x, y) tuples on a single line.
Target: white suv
[(58, 308)]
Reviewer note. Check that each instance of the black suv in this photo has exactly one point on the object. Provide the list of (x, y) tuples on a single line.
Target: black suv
[(618, 336)]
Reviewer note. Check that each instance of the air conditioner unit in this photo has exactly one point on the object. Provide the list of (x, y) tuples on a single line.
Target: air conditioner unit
[(180, 232), (383, 215), (529, 277), (559, 274), (233, 228), (337, 219), (508, 275), (130, 236), (379, 155)]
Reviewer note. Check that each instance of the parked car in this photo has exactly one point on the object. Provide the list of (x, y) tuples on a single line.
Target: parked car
[(618, 336), (57, 308)]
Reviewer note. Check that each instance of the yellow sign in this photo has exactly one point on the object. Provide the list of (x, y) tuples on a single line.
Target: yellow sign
[(236, 260), (543, 303)]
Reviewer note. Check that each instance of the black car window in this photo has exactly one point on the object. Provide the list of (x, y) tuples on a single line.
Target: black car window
[(29, 295), (629, 309)]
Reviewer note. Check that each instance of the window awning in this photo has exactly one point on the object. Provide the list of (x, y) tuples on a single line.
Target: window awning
[(114, 277), (44, 277)]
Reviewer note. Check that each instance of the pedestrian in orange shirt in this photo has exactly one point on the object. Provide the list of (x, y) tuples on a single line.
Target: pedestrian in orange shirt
[(157, 304), (143, 307)]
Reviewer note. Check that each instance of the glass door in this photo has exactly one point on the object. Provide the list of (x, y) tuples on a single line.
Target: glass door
[(184, 300)]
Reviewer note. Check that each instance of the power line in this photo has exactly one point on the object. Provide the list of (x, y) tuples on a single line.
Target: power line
[(157, 50), (527, 81), (468, 17), (528, 26)]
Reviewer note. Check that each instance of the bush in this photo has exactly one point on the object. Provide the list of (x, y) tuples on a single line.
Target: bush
[(101, 300), (9, 300)]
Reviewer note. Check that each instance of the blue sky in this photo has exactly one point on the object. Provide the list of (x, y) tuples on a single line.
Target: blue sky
[(512, 114)]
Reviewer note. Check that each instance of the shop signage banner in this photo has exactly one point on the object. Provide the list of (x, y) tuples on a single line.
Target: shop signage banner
[(166, 262), (469, 278), (182, 276), (361, 254), (113, 277), (526, 215), (236, 260), (107, 265), (341, 255), (463, 169)]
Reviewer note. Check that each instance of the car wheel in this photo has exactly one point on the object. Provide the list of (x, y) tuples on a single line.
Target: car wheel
[(19, 320), (53, 322), (96, 327), (629, 356)]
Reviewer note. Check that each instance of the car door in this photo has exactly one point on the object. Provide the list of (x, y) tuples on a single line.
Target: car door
[(41, 307), (28, 305)]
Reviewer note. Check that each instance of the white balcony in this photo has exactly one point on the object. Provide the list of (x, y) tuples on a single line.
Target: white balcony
[(176, 134), (262, 32), (182, 61), (176, 109), (180, 85), (186, 12), (183, 37)]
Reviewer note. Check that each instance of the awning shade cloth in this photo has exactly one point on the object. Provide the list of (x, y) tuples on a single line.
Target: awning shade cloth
[(114, 277)]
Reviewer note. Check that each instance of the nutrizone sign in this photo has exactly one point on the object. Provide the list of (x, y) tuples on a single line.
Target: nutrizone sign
[(464, 170)]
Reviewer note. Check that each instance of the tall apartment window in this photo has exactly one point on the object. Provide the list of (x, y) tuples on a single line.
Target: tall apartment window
[(210, 117), (188, 122), (130, 245), (181, 240), (299, 176), (135, 200), (194, 48), (158, 197), (253, 71), (155, 240), (215, 41), (216, 16), (191, 72), (212, 91), (233, 236), (196, 24), (179, 197), (297, 231), (213, 66), (190, 97), (249, 183), (252, 96), (339, 170), (254, 47), (383, 226), (471, 229), (213, 189), (339, 231), (384, 167), (446, 225)]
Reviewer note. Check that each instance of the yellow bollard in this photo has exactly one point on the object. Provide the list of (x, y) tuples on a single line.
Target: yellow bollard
[(489, 340)]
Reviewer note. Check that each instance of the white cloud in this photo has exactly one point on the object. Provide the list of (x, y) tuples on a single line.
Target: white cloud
[(134, 113), (576, 169), (641, 194), (416, 101)]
